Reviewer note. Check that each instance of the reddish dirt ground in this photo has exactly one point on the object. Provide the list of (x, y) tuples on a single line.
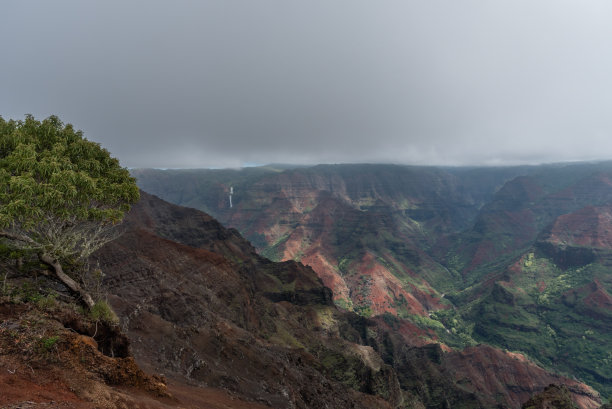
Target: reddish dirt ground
[(25, 388)]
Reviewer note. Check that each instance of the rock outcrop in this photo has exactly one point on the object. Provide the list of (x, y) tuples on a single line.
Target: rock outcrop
[(553, 397)]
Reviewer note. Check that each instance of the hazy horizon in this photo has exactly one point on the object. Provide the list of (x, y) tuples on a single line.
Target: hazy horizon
[(305, 165)]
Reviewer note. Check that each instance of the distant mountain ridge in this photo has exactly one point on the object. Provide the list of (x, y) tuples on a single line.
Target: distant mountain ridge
[(310, 213)]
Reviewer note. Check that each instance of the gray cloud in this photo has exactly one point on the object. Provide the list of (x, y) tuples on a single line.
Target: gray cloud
[(227, 82)]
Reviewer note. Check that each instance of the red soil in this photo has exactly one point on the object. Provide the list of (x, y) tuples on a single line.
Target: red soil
[(588, 227), (495, 372)]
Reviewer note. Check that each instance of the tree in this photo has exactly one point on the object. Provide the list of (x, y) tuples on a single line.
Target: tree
[(60, 195)]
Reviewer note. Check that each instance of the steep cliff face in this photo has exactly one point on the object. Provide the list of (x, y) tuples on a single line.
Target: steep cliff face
[(524, 209), (580, 237), (268, 332)]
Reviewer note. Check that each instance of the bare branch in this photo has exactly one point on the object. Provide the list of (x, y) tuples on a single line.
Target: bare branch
[(64, 278), (17, 237)]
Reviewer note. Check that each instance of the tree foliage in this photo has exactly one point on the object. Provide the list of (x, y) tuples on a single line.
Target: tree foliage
[(60, 194)]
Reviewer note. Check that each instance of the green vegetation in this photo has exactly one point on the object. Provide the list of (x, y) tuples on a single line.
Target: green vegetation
[(544, 315), (47, 302), (102, 311), (60, 195), (457, 332), (275, 251), (427, 322), (284, 337), (343, 265), (344, 303), (364, 310), (29, 292), (45, 344)]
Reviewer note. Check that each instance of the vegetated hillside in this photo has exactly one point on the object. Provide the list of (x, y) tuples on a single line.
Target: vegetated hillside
[(548, 291), (515, 257), (200, 305)]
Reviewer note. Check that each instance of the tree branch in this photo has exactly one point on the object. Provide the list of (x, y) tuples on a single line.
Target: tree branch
[(64, 278), (18, 237)]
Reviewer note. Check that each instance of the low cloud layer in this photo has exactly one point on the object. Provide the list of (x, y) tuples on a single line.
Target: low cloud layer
[(227, 82)]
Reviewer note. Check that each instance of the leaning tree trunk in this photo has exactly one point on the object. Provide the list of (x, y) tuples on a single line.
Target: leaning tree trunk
[(64, 278)]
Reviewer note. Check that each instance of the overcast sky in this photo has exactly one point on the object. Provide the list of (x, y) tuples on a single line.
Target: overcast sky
[(228, 83)]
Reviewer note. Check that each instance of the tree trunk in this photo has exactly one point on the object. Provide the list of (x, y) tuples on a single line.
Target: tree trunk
[(64, 278)]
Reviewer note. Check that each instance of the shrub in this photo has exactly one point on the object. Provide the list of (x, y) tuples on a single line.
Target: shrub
[(45, 344), (102, 311)]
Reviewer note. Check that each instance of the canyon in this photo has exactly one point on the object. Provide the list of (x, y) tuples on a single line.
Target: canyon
[(217, 325), (364, 286), (515, 257)]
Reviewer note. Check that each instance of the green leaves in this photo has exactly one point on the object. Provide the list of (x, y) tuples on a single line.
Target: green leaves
[(52, 179), (48, 166)]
